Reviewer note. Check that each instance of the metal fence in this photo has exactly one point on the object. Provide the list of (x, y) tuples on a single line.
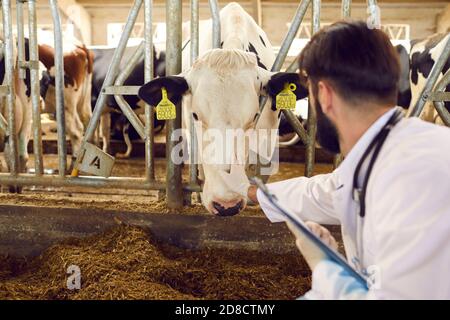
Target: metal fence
[(433, 91), (174, 189)]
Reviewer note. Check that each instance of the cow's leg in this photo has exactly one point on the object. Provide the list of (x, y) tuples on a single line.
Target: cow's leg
[(126, 137), (25, 128), (105, 128), (84, 105), (74, 128), (23, 154)]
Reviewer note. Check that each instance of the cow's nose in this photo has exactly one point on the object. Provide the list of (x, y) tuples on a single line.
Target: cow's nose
[(226, 212)]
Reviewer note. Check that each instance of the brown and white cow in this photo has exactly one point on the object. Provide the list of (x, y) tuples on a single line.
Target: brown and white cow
[(221, 91), (78, 66)]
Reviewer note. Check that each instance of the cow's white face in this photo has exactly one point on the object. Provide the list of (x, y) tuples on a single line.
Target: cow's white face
[(222, 91), (224, 100)]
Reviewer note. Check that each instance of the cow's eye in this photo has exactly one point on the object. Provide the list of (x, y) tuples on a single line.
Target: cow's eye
[(256, 116), (195, 116)]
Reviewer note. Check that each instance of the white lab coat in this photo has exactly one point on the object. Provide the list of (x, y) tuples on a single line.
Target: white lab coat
[(405, 235)]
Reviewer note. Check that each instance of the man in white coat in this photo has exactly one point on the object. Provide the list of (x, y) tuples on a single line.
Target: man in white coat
[(391, 194)]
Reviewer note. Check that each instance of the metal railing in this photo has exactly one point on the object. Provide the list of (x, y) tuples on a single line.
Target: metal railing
[(113, 85)]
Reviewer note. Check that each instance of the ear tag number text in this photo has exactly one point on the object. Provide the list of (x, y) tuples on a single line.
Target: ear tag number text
[(287, 99), (165, 110)]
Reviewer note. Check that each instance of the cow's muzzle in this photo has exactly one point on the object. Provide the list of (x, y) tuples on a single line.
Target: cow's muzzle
[(230, 211)]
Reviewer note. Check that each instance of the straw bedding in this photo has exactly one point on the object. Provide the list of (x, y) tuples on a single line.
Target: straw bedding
[(127, 263)]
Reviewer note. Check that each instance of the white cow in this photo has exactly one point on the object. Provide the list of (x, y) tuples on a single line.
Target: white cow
[(221, 91)]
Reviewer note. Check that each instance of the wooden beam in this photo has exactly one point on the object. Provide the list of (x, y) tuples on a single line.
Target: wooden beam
[(80, 17), (443, 21), (257, 11)]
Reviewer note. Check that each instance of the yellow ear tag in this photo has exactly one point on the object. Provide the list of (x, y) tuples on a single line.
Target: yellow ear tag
[(287, 99), (165, 110)]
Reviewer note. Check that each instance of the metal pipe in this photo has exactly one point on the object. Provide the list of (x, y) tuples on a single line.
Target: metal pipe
[(35, 90), (174, 192), (315, 26), (148, 75), (287, 42), (432, 78), (109, 79), (131, 116), (278, 63), (121, 90), (337, 159), (293, 66), (194, 54), (292, 32), (124, 106), (194, 44), (3, 124), (374, 14), (59, 89), (20, 38), (345, 13), (346, 8), (215, 15), (87, 181), (440, 105), (312, 119), (296, 125), (9, 81)]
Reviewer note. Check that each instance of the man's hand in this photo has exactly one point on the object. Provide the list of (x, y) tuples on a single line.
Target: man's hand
[(307, 248), (251, 194)]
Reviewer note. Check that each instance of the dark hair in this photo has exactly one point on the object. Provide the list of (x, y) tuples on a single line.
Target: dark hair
[(360, 63)]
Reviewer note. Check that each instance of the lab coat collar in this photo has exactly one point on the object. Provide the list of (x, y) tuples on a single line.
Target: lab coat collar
[(347, 168)]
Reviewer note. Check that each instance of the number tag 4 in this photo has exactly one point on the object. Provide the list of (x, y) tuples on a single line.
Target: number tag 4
[(165, 110), (286, 99)]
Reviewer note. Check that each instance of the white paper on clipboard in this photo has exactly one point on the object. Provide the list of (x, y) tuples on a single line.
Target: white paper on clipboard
[(298, 223)]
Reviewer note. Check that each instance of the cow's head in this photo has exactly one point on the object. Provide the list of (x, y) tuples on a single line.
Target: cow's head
[(222, 91)]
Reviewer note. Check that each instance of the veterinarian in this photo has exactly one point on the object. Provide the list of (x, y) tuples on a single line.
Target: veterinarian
[(391, 193)]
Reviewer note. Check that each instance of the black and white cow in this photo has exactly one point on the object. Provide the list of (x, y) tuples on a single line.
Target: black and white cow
[(424, 54), (113, 123), (221, 91)]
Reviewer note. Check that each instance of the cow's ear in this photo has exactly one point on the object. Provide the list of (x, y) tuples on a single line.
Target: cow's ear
[(176, 87), (278, 80)]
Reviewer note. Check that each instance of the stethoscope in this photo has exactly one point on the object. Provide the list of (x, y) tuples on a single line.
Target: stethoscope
[(359, 194)]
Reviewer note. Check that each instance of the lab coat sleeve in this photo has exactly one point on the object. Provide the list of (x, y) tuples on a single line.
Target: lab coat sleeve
[(411, 234), (309, 198)]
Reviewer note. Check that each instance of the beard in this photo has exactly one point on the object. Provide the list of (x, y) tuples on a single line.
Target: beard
[(327, 134)]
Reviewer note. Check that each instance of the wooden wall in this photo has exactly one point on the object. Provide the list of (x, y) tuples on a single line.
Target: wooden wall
[(422, 17)]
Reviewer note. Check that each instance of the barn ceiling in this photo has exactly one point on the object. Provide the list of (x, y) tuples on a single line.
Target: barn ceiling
[(94, 2)]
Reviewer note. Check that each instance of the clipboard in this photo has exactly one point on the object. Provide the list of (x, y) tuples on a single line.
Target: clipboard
[(330, 253)]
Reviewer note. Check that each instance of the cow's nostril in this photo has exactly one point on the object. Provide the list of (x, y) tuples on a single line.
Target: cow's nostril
[(226, 212)]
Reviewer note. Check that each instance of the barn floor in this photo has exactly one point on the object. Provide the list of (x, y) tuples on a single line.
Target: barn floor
[(125, 264), (135, 262)]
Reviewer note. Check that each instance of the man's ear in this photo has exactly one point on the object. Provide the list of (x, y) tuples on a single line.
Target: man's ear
[(176, 87)]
